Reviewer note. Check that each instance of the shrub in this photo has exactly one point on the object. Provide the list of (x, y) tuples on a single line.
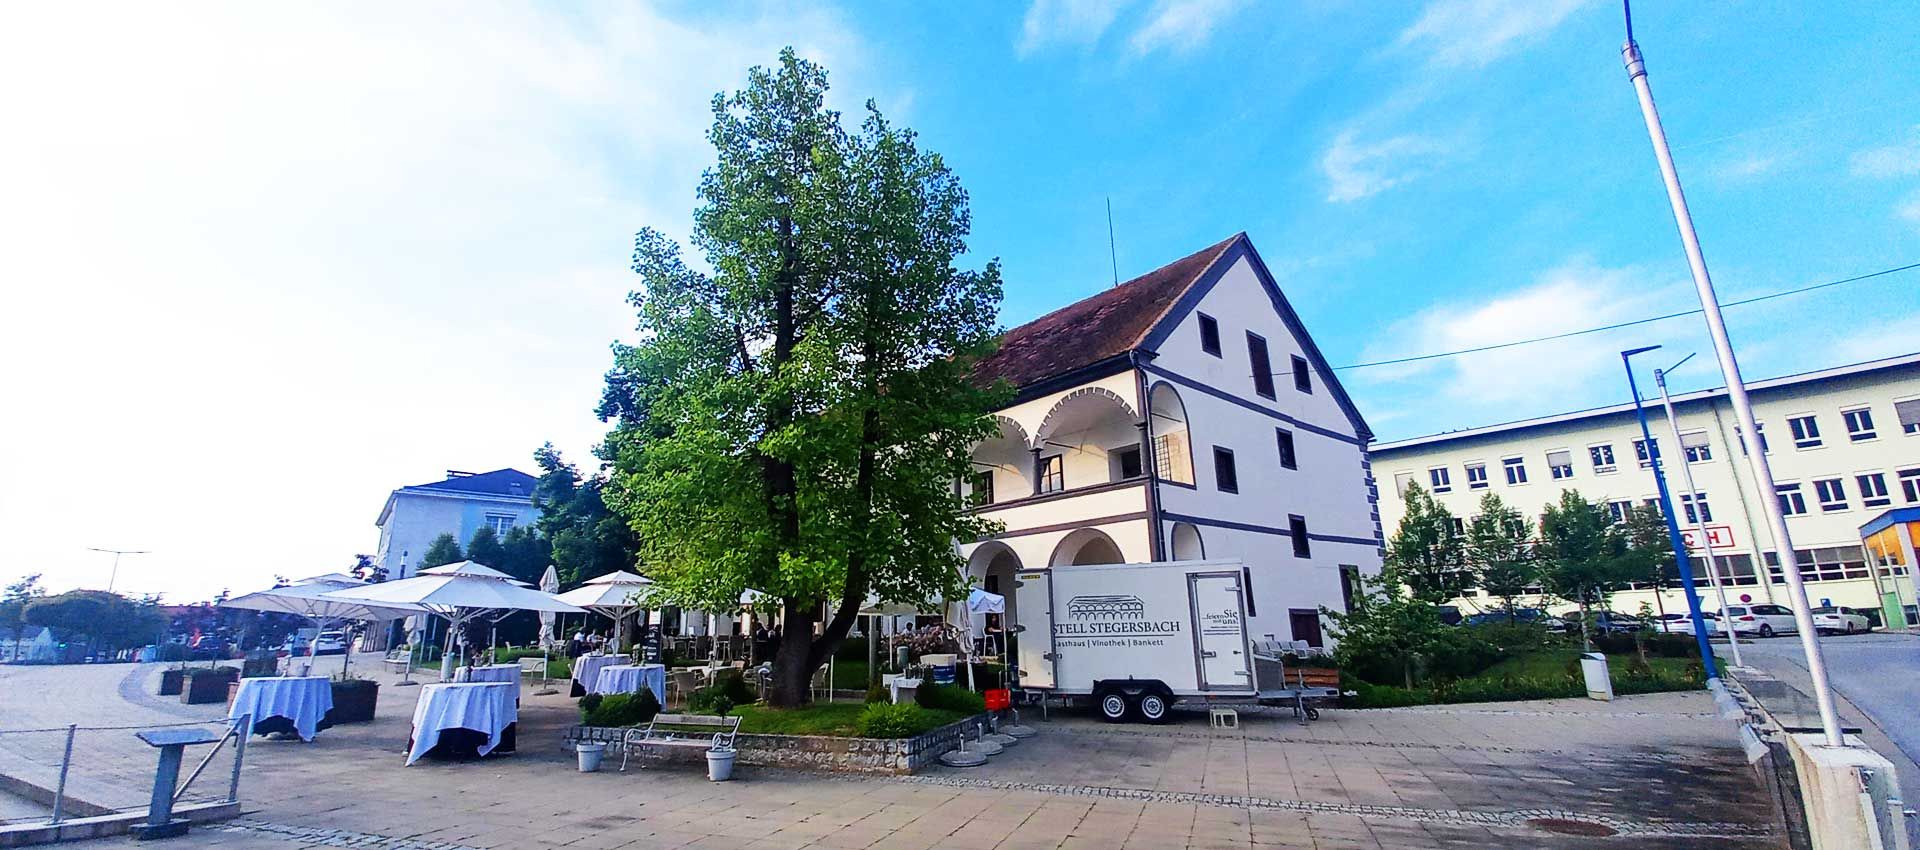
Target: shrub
[(733, 684), (949, 698), (885, 720), (712, 699), (879, 693), (619, 709)]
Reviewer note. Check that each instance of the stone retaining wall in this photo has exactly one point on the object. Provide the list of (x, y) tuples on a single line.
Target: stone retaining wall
[(814, 752)]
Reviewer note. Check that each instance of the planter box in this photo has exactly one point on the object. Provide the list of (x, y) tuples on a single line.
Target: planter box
[(208, 687), (233, 691), (353, 702), (170, 681), (889, 756), (1315, 677)]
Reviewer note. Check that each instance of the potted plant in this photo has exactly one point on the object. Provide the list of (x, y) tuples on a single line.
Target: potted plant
[(207, 684), (172, 677), (353, 700)]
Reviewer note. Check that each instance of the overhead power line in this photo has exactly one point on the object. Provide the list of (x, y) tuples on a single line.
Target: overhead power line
[(1616, 326)]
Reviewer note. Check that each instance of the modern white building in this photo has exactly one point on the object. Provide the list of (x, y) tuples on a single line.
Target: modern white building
[(1844, 445), (1183, 414), (460, 505)]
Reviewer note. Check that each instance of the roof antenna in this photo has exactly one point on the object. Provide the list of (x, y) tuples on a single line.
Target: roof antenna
[(1111, 254)]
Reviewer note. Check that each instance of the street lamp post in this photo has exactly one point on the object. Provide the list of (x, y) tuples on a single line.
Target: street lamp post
[(1673, 526), (116, 553), (1699, 516), (1736, 392)]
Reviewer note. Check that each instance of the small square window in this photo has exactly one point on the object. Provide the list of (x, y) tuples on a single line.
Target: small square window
[(1792, 501), (1602, 457), (1694, 445), (1287, 458), (1053, 477), (1859, 424), (1696, 508), (1560, 464), (500, 523), (1476, 476), (1302, 376), (1209, 335), (1910, 485), (1441, 479), (1126, 461), (1806, 432), (1832, 493), (1873, 489), (1646, 452), (1297, 529), (1516, 470), (1225, 476), (1620, 509), (1758, 426)]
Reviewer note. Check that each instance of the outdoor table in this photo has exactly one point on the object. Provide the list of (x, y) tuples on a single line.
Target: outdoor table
[(586, 670), (481, 708), (488, 673), (299, 702), (630, 678)]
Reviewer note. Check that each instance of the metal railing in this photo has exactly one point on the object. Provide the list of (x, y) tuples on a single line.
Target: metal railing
[(52, 775)]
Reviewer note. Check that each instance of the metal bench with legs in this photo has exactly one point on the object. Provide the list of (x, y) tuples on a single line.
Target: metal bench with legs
[(704, 732)]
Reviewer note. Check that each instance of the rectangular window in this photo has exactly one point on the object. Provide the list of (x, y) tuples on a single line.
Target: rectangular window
[(1262, 368), (1401, 481), (1172, 460), (500, 523), (1287, 458), (1350, 586), (1696, 508), (1516, 470), (1053, 476), (1225, 476), (1757, 426), (1828, 563), (1694, 445), (1302, 376), (1560, 464), (1832, 493), (1806, 432), (1602, 457), (1646, 452), (1441, 479), (1908, 412), (1297, 529), (1873, 489), (1859, 424), (1126, 462), (1476, 476), (982, 488), (1209, 335), (1456, 526), (1792, 501), (1910, 485), (1618, 510)]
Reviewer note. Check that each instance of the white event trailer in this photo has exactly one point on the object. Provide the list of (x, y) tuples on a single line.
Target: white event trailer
[(1135, 638)]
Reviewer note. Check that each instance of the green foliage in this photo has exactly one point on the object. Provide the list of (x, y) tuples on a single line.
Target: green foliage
[(1425, 553), (14, 601), (1584, 555), (1542, 675), (1657, 645), (586, 539), (792, 421), (838, 719), (949, 698), (879, 693), (1389, 635), (710, 700), (618, 709), (444, 550), (108, 620), (485, 548), (885, 720), (1499, 551), (557, 665), (1649, 549)]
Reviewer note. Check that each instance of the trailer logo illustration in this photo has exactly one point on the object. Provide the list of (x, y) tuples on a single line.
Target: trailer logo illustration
[(1120, 615)]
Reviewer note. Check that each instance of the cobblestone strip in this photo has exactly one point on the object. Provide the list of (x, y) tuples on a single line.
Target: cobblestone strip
[(333, 837), (1336, 742), (1509, 819), (1521, 712)]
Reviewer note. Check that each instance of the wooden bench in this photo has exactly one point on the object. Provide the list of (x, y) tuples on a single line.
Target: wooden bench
[(398, 659), (691, 731)]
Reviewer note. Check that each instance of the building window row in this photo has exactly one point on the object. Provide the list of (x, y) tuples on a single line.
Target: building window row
[(1259, 359)]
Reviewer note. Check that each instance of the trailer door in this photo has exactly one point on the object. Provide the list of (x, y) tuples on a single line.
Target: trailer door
[(1033, 605), (1220, 633)]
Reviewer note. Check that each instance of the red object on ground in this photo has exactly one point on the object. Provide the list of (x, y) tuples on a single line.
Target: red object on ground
[(998, 698)]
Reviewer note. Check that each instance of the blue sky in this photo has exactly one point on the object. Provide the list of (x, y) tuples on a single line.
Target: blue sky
[(270, 262)]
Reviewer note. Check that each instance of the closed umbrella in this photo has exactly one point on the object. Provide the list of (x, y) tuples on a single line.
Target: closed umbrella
[(458, 593)]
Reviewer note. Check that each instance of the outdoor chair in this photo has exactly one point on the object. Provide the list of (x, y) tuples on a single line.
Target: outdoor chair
[(683, 683)]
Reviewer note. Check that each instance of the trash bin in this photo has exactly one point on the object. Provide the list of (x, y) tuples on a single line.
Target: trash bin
[(1593, 667), (720, 764), (590, 756)]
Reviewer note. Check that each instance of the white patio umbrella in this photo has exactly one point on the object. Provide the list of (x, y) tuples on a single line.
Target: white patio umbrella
[(610, 595), (308, 598), (458, 593)]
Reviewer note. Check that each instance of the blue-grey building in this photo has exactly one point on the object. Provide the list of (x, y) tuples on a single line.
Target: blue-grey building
[(460, 505)]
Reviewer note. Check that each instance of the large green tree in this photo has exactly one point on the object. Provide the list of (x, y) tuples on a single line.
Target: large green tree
[(586, 538), (1584, 555), (1426, 551), (485, 548), (108, 620), (793, 421), (1499, 551), (13, 606)]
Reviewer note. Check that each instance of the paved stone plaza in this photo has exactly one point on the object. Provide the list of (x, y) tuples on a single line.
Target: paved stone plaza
[(1656, 770)]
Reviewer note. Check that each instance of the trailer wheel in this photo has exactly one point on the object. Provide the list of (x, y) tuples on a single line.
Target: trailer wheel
[(1153, 707), (1313, 713), (1113, 706)]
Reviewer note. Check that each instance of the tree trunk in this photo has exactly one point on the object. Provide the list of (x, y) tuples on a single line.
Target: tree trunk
[(1586, 640)]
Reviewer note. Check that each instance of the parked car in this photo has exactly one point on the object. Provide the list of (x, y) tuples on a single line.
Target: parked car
[(1519, 615), (1764, 620), (326, 643), (1604, 622), (1681, 624), (1836, 619)]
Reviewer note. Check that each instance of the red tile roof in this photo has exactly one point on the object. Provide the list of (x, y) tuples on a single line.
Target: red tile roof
[(1096, 328)]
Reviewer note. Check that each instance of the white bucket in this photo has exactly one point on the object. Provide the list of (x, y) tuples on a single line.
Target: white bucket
[(590, 756), (720, 765)]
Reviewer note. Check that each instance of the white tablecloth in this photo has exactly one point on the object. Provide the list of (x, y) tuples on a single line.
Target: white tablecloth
[(630, 678), (586, 668), (301, 699), (481, 706), (488, 673)]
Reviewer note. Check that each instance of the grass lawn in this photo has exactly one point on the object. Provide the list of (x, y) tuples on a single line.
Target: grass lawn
[(1545, 674), (828, 718), (1555, 662)]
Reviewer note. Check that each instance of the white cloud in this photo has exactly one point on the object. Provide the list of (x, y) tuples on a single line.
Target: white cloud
[(1051, 22), (1750, 167), (268, 262), (1908, 210), (1900, 159), (1357, 170), (1474, 33), (1181, 25)]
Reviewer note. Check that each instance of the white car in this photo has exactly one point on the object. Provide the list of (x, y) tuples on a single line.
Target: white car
[(1833, 619), (1761, 619), (1681, 624)]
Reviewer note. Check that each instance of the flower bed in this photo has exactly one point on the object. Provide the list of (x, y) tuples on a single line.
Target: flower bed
[(814, 752)]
